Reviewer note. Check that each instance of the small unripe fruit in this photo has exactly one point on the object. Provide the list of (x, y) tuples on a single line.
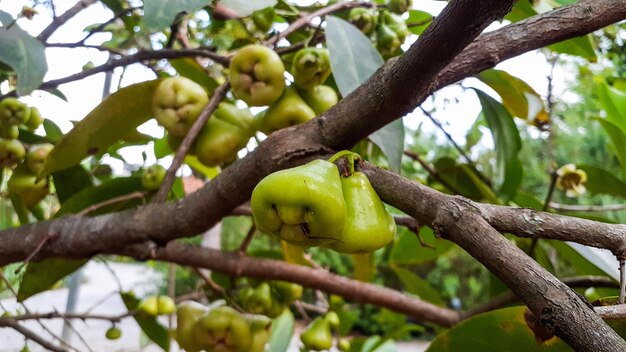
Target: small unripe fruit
[(153, 176), (12, 152), (37, 156), (13, 112), (113, 333), (257, 75), (177, 103)]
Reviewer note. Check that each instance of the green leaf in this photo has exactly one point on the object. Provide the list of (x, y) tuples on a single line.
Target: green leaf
[(364, 266), (70, 181), (115, 117), (507, 142), (579, 46), (415, 285), (282, 331), (149, 325), (245, 8), (408, 250), (603, 259), (41, 276), (161, 148), (484, 189), (25, 55), (521, 10), (602, 181), (507, 329), (575, 260), (417, 16), (526, 200), (113, 188), (618, 138), (191, 69), (160, 14), (613, 102), (354, 59), (518, 97), (53, 132)]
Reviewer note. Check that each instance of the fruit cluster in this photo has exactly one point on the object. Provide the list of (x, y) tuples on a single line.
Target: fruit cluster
[(386, 25), (312, 205), (25, 160), (220, 328), (257, 75), (269, 298), (177, 104)]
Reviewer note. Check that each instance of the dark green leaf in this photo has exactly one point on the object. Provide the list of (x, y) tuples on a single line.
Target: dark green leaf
[(25, 55), (507, 142), (53, 132), (526, 200), (507, 329), (115, 117), (29, 137), (618, 138), (160, 14), (613, 102), (149, 325), (408, 250), (579, 46), (70, 181), (282, 331), (424, 19), (191, 69), (40, 276), (602, 181)]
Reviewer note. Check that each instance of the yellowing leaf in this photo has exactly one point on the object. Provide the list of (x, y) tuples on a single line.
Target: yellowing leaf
[(115, 117)]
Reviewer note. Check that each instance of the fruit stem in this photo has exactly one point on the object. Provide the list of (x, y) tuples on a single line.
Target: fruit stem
[(351, 156)]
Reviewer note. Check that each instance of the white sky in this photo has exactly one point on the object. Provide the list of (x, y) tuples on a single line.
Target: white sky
[(85, 94)]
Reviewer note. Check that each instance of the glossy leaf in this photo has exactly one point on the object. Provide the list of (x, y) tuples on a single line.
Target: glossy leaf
[(159, 14), (507, 329), (282, 331), (70, 181), (149, 325), (116, 116), (602, 181), (575, 260), (24, 54), (527, 200), (579, 46), (613, 102), (408, 250), (245, 8), (518, 97), (422, 17), (353, 60), (601, 258), (415, 285), (53, 132), (507, 143)]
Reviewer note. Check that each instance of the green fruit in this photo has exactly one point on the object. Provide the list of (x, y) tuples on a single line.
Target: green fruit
[(257, 75), (12, 152), (317, 335), (387, 41), (113, 333), (287, 292), (226, 132), (9, 131), (333, 319), (149, 306), (187, 314), (222, 329), (396, 24), (303, 205), (260, 330), (258, 300), (37, 155), (177, 103), (166, 305), (399, 6), (344, 345), (311, 67), (320, 98), (369, 226), (35, 119), (152, 177), (13, 112), (24, 183), (289, 110), (363, 19), (263, 19)]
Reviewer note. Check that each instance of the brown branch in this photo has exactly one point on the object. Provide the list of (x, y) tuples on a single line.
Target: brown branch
[(432, 172), (590, 208), (612, 312), (235, 264), (31, 335), (60, 20), (218, 95), (461, 221)]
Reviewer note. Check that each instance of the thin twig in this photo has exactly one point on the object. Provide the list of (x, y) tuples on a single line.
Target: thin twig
[(622, 280), (31, 335), (218, 289), (49, 237), (431, 171), (106, 23), (209, 109), (122, 198), (243, 248), (590, 208), (60, 20)]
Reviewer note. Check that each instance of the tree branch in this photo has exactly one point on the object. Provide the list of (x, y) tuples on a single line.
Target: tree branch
[(60, 20), (31, 335)]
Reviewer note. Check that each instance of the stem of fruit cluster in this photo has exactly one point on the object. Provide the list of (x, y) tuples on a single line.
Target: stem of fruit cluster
[(209, 109)]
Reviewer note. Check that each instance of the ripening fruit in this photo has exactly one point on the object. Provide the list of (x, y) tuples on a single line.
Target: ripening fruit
[(177, 103), (289, 110), (317, 336), (12, 152), (311, 67), (399, 6), (37, 155), (364, 19), (113, 333), (35, 119), (257, 75), (13, 112), (152, 177), (320, 98)]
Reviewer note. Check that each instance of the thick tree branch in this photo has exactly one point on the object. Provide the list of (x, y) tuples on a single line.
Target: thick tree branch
[(458, 219), (237, 264)]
